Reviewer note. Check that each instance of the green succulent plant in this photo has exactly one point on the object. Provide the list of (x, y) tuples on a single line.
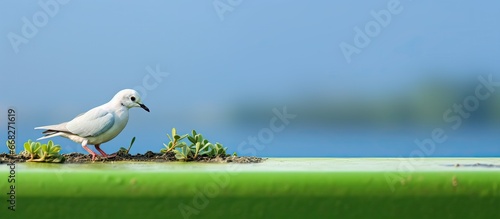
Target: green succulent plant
[(219, 150), (184, 154), (198, 146), (175, 142), (32, 149), (43, 152)]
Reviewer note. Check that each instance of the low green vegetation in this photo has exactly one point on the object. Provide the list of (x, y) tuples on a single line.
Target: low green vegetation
[(125, 150), (187, 147), (43, 152), (196, 146), (175, 142)]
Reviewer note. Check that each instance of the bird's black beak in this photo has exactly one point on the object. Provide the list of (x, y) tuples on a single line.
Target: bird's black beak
[(144, 107)]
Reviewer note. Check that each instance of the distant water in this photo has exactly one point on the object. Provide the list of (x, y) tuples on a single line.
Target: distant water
[(298, 141)]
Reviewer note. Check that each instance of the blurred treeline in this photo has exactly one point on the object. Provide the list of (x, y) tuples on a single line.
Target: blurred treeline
[(421, 105)]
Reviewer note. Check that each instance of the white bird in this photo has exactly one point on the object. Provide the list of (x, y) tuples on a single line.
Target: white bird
[(98, 125)]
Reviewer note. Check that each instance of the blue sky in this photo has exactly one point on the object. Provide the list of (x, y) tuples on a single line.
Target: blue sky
[(266, 51)]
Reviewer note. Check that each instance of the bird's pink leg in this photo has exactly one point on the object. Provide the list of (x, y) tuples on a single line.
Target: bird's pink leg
[(98, 148), (90, 151)]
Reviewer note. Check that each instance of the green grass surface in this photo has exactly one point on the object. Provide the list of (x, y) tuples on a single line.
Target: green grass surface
[(66, 191)]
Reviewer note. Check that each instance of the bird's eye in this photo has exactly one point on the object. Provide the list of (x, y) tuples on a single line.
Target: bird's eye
[(132, 98)]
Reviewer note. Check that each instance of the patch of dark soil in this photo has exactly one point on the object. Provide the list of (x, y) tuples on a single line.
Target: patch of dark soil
[(7, 158), (146, 157)]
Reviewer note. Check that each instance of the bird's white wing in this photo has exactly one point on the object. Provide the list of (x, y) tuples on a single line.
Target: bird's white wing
[(92, 123)]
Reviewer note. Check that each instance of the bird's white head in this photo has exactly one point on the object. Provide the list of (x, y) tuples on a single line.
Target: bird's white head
[(129, 98)]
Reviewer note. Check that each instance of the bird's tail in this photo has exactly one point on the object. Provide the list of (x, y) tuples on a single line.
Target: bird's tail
[(53, 130), (50, 134)]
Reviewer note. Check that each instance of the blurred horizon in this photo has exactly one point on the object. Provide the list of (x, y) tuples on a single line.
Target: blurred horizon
[(225, 77)]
